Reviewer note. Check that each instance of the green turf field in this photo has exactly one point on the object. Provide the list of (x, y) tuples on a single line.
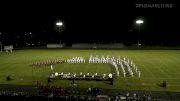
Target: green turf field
[(155, 65)]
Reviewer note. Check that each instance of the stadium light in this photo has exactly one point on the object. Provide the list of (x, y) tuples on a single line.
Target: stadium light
[(139, 22), (59, 24)]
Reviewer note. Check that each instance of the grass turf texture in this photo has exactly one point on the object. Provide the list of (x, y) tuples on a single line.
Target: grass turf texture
[(155, 66)]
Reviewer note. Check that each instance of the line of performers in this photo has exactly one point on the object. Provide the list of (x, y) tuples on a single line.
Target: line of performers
[(80, 76), (48, 62)]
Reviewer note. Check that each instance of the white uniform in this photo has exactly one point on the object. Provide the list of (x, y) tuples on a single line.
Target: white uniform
[(56, 74), (95, 74), (104, 75), (124, 74), (136, 68), (139, 74), (110, 75), (52, 67)]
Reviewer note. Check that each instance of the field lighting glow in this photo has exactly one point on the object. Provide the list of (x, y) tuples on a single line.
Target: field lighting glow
[(59, 23), (139, 21)]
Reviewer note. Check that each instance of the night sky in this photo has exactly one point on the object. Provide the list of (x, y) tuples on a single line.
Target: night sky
[(88, 22)]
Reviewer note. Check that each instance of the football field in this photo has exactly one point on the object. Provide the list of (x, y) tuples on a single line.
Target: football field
[(155, 66)]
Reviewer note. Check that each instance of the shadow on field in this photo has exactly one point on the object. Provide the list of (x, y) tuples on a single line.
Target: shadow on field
[(9, 78), (162, 84)]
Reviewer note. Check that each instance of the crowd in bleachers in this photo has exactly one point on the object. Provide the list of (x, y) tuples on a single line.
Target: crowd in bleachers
[(90, 94), (76, 93)]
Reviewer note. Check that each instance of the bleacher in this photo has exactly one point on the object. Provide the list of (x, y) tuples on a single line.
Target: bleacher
[(74, 93), (98, 46)]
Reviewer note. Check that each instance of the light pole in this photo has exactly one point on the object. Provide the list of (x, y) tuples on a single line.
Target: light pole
[(59, 24), (139, 22), (0, 42)]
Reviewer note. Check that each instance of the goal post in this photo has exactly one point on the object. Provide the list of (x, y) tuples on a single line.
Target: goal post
[(8, 48)]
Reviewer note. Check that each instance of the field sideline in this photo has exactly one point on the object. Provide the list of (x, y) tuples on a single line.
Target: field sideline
[(155, 65)]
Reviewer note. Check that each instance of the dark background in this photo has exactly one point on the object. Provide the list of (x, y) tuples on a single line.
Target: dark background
[(88, 22)]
